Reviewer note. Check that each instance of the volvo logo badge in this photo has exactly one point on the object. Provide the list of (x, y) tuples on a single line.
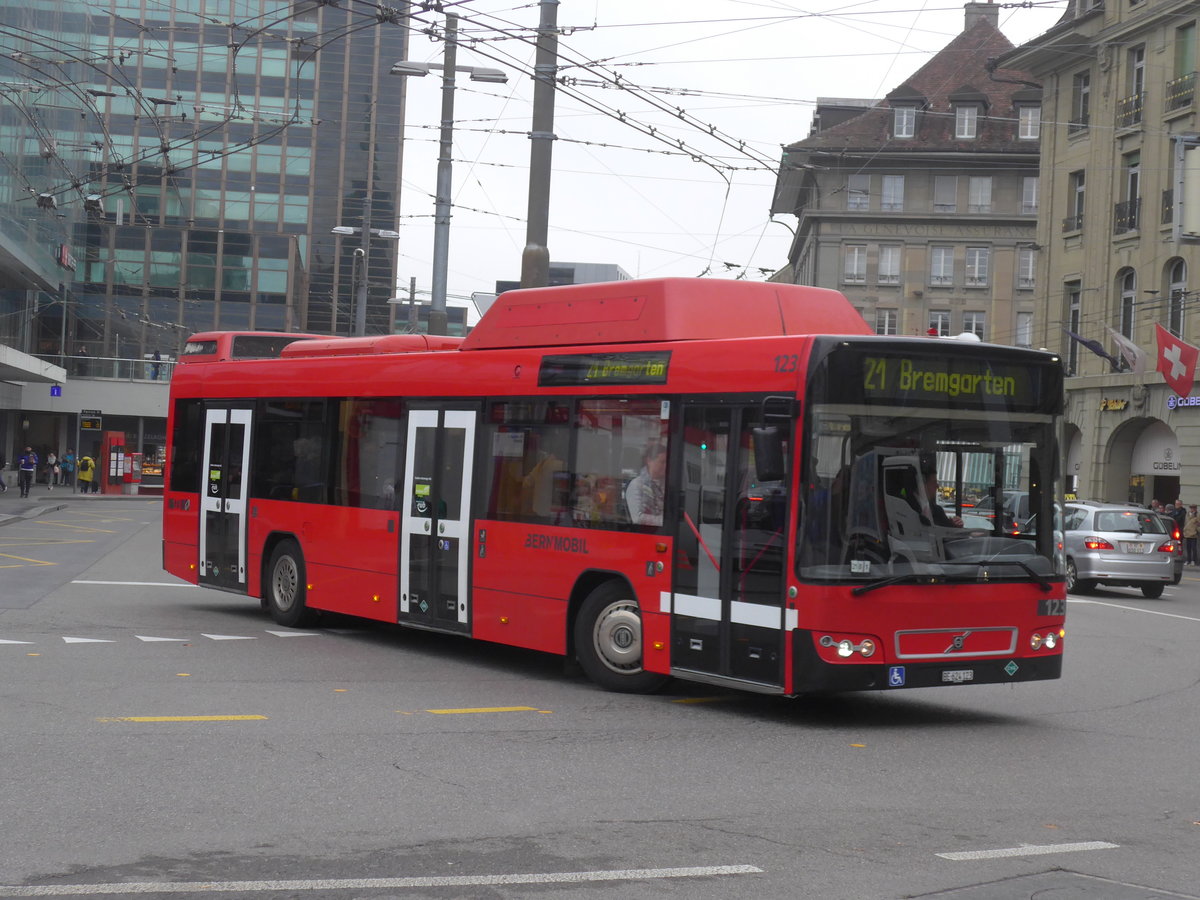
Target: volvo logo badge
[(956, 645)]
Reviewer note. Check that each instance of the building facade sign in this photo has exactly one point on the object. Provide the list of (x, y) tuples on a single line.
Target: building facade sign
[(1112, 404), (1174, 401)]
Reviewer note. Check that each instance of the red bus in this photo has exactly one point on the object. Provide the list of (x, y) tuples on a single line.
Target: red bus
[(723, 482)]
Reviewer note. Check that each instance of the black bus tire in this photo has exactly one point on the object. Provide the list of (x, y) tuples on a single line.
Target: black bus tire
[(285, 586), (608, 641)]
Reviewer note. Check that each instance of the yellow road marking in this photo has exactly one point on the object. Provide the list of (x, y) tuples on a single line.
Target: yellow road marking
[(699, 699), (68, 525), (24, 561), (482, 709), (182, 719)]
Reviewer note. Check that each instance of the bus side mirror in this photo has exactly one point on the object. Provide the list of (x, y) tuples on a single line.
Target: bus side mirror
[(769, 463)]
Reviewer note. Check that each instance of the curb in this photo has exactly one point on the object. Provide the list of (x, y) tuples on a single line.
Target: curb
[(31, 513)]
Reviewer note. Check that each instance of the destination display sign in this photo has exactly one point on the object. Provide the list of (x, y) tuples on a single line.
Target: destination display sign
[(596, 369), (884, 375)]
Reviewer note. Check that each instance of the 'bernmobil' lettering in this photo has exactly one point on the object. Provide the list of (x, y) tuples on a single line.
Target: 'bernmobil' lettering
[(556, 542)]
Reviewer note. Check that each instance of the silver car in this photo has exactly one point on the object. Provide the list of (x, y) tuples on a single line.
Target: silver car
[(1117, 545)]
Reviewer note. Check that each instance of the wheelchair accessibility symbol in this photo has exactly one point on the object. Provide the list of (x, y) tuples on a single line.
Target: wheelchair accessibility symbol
[(896, 676)]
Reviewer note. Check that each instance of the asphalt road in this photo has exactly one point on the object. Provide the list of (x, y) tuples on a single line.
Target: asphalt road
[(173, 738)]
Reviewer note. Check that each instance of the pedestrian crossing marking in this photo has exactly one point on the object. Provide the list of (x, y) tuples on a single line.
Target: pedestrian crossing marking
[(152, 639)]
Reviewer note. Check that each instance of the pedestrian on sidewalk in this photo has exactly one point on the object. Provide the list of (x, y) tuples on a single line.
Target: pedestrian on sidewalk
[(26, 469), (67, 464), (1191, 536), (3, 483), (87, 475), (52, 470)]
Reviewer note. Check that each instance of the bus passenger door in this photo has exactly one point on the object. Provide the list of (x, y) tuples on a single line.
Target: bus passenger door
[(729, 579), (223, 504), (436, 517)]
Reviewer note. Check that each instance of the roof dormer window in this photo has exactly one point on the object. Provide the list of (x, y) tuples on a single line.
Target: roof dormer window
[(966, 121), (904, 121)]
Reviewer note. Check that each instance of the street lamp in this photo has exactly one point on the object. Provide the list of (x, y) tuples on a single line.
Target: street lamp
[(363, 253), (441, 217)]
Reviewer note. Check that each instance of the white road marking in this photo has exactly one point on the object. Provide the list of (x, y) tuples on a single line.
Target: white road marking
[(142, 637), (294, 633), (138, 583), (1149, 612), (1029, 850), (16, 642), (228, 637), (75, 640), (342, 884)]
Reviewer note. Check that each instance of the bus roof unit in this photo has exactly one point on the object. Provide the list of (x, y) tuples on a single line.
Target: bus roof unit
[(366, 346), (660, 309)]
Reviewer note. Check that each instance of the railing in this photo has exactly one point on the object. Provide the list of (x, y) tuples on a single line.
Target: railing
[(1125, 216), (1180, 92), (1129, 110), (1073, 223), (113, 367), (1078, 125), (1168, 207)]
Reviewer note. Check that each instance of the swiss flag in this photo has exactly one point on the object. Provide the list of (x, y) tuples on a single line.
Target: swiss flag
[(1176, 361)]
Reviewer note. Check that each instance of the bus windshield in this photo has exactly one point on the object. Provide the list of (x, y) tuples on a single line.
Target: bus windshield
[(937, 476)]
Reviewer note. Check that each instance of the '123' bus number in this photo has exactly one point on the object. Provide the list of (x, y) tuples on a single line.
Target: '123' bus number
[(787, 363)]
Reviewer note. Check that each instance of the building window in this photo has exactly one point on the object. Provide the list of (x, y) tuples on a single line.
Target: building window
[(1076, 182), (945, 193), (1073, 291), (974, 323), (1129, 107), (979, 195), (977, 266), (1026, 269), (1128, 299), (893, 192), (1125, 217), (1182, 86), (966, 122), (904, 121), (1029, 123), (1177, 297), (1029, 195), (1024, 329), (939, 322), (1081, 102), (887, 321), (889, 264), (858, 192), (941, 266), (854, 258)]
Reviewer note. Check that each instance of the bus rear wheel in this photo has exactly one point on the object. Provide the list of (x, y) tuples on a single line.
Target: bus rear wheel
[(286, 586), (608, 641)]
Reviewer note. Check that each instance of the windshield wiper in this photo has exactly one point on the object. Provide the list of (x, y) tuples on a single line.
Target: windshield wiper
[(908, 578), (1040, 580), (925, 578)]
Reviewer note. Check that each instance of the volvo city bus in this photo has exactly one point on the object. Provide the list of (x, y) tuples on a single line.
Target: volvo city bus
[(717, 481)]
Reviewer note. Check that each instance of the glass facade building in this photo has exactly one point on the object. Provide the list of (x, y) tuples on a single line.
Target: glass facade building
[(221, 142)]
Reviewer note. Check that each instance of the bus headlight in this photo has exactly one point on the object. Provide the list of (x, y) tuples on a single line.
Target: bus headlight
[(845, 648), (1036, 642)]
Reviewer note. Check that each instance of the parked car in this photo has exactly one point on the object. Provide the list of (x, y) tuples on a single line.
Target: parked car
[(1177, 537), (1117, 545)]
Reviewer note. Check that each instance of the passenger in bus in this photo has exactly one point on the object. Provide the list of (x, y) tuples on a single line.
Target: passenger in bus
[(644, 494), (539, 497)]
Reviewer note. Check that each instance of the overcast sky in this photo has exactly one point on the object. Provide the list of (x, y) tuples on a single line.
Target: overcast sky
[(744, 73)]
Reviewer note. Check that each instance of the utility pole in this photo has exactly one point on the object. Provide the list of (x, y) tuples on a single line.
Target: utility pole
[(441, 215), (413, 322), (360, 308), (535, 259)]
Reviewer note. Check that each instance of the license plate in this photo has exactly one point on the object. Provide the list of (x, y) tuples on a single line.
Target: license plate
[(1134, 546), (958, 676)]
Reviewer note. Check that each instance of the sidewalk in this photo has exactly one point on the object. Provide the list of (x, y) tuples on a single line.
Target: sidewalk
[(42, 500)]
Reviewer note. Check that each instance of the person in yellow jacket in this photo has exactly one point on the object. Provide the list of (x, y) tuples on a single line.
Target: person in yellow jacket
[(87, 475)]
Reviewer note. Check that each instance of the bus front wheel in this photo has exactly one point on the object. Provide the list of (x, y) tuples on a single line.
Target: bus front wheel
[(608, 641), (286, 586)]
